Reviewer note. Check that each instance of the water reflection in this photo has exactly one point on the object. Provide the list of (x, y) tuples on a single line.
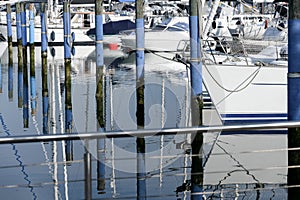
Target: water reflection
[(156, 167)]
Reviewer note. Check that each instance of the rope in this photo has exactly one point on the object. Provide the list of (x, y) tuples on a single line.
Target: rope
[(254, 74)]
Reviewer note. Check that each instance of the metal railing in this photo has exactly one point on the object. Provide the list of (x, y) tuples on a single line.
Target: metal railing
[(145, 133)]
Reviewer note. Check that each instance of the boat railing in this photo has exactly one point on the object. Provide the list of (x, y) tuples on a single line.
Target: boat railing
[(214, 46)]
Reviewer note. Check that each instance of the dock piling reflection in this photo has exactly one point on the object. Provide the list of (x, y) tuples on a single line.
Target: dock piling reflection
[(32, 60), (25, 68)]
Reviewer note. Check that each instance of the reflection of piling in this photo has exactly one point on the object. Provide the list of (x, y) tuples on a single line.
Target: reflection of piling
[(140, 109), (25, 67), (10, 52), (32, 60), (87, 173), (68, 97), (44, 45), (196, 101), (100, 95), (10, 75), (293, 100), (20, 55)]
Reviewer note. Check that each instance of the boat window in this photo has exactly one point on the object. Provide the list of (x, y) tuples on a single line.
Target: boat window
[(182, 25), (165, 22), (173, 28), (159, 27)]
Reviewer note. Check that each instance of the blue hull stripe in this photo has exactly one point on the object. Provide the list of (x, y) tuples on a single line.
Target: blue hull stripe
[(261, 132), (248, 118), (255, 115), (241, 121)]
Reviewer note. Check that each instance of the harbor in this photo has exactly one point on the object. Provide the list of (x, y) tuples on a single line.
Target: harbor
[(147, 113)]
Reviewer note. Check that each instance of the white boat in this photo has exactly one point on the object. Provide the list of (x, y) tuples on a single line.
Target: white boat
[(163, 37), (256, 92), (278, 28), (81, 21), (248, 26)]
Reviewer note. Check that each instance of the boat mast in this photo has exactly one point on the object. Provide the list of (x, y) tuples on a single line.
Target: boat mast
[(53, 9)]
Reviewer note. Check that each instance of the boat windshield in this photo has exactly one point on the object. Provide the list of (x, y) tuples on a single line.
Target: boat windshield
[(179, 26)]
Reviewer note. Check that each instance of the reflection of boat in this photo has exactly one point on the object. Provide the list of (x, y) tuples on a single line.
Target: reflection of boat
[(3, 44)]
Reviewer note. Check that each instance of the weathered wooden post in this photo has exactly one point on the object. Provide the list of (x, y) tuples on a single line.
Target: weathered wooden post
[(25, 67), (294, 98), (68, 84), (196, 100), (20, 55), (44, 46), (9, 26), (10, 52), (100, 95), (140, 89), (10, 74), (32, 59)]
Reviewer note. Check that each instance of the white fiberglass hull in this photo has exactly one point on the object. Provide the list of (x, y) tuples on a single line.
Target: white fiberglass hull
[(245, 94), (156, 41)]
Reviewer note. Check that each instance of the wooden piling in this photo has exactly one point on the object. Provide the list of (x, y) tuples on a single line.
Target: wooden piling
[(293, 99), (140, 95), (9, 26), (10, 74), (100, 95), (196, 100), (25, 67), (32, 60), (20, 55), (10, 53), (44, 46), (68, 83)]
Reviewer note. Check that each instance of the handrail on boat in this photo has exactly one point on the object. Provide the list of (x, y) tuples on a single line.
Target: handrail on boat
[(150, 132), (228, 46)]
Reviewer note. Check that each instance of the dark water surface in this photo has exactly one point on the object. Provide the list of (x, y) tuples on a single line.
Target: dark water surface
[(240, 166)]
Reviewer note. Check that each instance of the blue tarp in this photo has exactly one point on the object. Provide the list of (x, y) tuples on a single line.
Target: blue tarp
[(126, 0), (112, 28)]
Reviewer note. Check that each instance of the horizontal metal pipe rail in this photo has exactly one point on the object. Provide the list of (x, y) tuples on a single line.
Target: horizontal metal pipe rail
[(144, 133)]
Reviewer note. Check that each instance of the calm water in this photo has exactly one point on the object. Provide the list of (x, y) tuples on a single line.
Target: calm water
[(240, 166)]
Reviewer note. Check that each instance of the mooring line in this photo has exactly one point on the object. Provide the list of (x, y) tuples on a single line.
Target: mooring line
[(18, 157)]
